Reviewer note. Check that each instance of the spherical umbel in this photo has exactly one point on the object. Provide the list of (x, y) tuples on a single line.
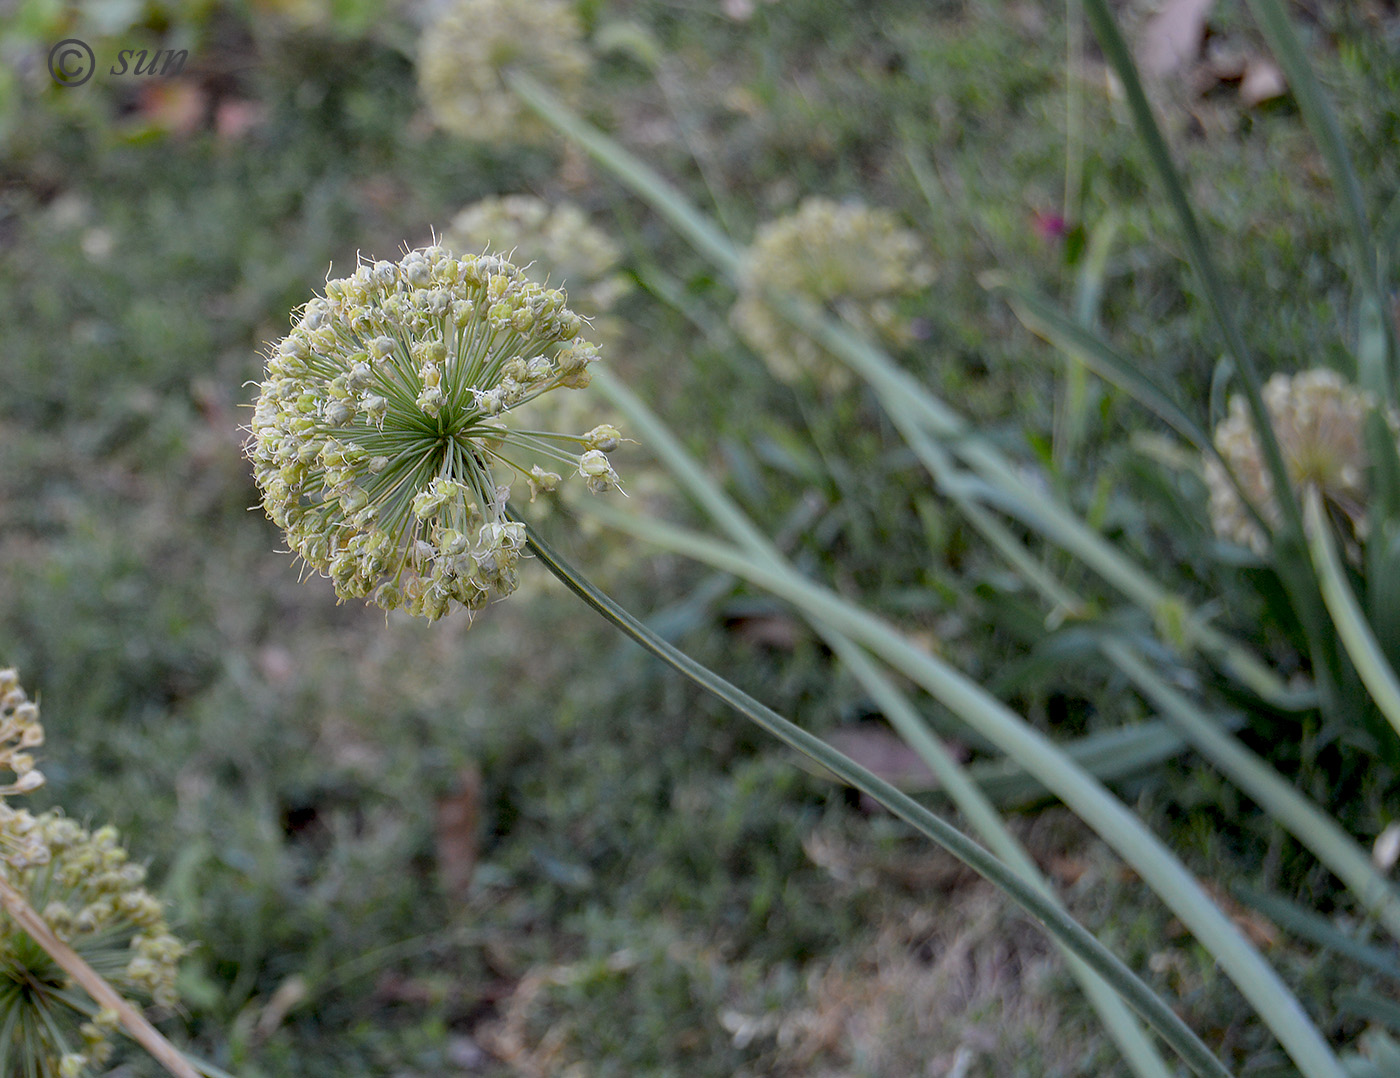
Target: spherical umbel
[(1319, 421), (382, 440)]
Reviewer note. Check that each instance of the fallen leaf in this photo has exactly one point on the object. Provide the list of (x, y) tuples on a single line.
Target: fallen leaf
[(175, 106), (235, 117), (456, 832), (769, 630), (1262, 81), (1173, 36), (884, 753)]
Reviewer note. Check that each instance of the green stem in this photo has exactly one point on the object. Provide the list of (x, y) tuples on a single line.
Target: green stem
[(899, 391), (1058, 923), (1079, 790), (1135, 1045), (1327, 132), (1351, 624), (1288, 542)]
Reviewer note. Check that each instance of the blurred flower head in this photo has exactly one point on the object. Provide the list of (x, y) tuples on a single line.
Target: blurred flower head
[(532, 233), (380, 437), (1319, 421), (852, 259), (466, 50), (83, 885)]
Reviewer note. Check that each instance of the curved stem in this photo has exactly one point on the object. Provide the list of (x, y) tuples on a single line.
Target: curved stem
[(1058, 923)]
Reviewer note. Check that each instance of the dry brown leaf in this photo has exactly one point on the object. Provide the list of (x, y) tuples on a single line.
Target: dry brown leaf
[(769, 630), (1262, 81), (456, 832), (1173, 36), (175, 106), (884, 753)]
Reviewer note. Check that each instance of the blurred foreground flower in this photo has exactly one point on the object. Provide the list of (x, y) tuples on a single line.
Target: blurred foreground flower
[(465, 51), (1319, 421), (91, 897), (852, 259), (380, 428)]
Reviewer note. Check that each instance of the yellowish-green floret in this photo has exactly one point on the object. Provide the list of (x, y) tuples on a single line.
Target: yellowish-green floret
[(384, 437), (854, 260), (1319, 421), (466, 50), (533, 233)]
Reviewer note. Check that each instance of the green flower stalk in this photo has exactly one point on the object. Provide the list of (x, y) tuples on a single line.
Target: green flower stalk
[(1320, 423), (852, 259), (81, 895), (467, 49), (381, 429)]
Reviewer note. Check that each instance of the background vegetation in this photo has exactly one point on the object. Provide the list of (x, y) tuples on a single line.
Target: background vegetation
[(524, 848)]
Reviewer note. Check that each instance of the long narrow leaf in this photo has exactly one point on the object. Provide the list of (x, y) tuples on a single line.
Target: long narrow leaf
[(899, 390), (1375, 368), (1351, 625), (1042, 318), (1197, 252), (1063, 927), (1118, 826), (1333, 678), (1305, 924), (1313, 827), (1109, 757)]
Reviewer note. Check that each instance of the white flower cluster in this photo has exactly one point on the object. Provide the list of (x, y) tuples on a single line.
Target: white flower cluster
[(381, 426), (851, 259), (580, 257), (1319, 421), (468, 48)]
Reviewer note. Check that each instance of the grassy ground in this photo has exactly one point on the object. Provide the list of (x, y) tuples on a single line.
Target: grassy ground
[(523, 849)]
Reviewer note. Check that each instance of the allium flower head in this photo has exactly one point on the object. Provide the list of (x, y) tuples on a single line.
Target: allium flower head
[(83, 885), (1319, 421), (531, 232), (465, 51), (855, 260), (381, 431)]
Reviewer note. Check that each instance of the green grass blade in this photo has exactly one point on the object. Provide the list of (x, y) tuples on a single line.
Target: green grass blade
[(1109, 756), (1372, 1007), (1137, 1049), (1063, 927), (1113, 822), (1356, 635), (1305, 924), (899, 390), (1198, 252), (689, 221), (1043, 319), (1310, 825), (1375, 369), (1334, 680)]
